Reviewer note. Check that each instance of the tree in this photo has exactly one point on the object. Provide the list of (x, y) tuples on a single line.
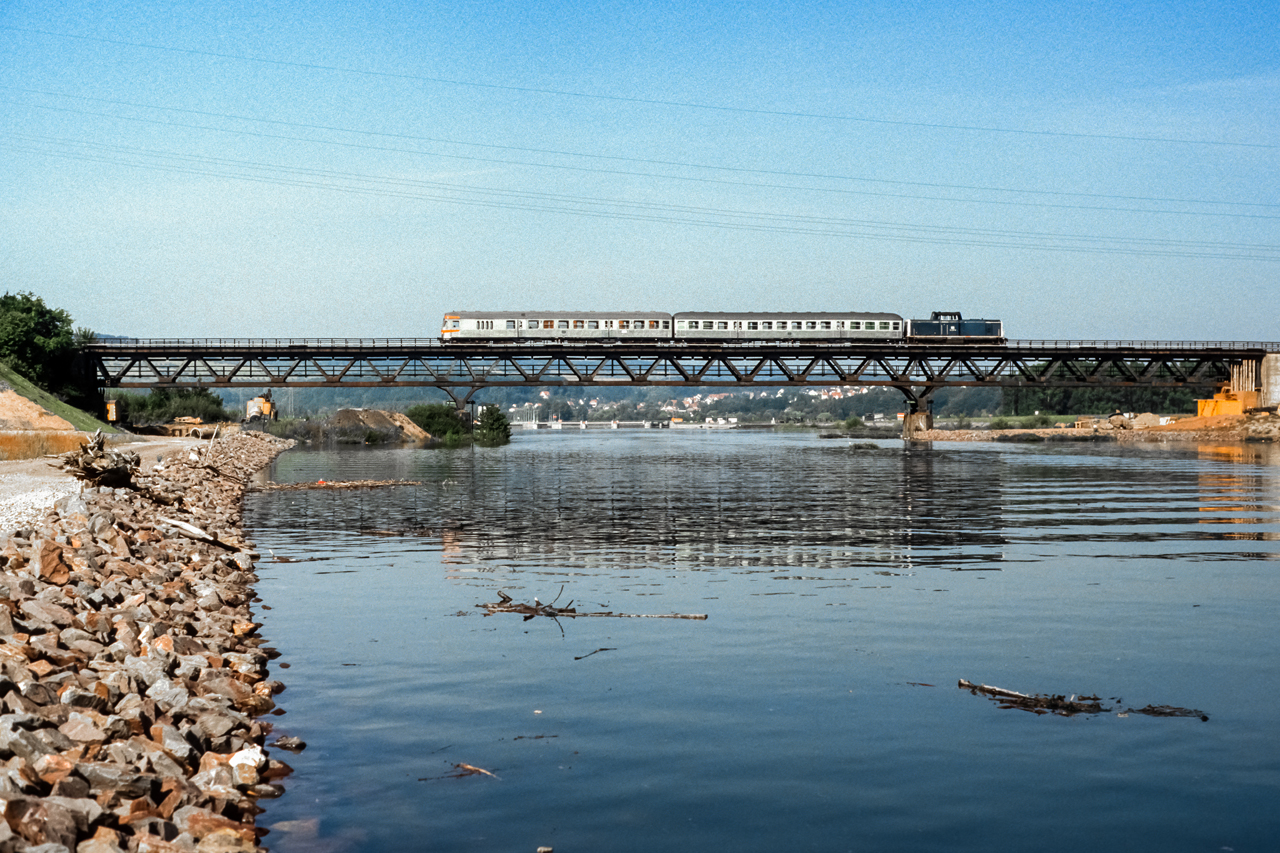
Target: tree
[(37, 340), (494, 429)]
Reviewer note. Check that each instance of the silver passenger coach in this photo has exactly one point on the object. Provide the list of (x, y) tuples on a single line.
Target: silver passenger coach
[(645, 325)]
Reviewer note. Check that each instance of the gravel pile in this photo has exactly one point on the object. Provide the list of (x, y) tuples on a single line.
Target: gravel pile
[(132, 678)]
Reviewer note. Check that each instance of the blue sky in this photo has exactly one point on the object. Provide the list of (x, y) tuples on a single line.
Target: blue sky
[(1081, 170)]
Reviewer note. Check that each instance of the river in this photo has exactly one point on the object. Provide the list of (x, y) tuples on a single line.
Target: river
[(847, 587)]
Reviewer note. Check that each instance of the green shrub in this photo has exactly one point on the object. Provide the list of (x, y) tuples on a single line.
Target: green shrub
[(854, 422), (1000, 423), (1037, 422), (438, 419)]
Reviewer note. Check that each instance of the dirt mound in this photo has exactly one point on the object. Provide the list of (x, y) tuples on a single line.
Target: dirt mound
[(19, 413), (379, 421)]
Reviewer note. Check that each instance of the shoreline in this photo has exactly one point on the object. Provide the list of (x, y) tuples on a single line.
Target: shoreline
[(133, 680)]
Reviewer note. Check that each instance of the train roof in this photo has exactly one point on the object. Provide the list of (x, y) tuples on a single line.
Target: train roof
[(557, 315), (790, 315)]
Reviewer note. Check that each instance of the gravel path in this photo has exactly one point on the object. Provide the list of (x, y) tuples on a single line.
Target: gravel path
[(28, 487)]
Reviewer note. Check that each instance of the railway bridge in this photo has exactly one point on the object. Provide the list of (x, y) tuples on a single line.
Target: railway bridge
[(461, 369)]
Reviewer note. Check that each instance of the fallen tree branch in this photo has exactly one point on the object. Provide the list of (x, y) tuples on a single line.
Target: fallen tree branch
[(1067, 707), (506, 604), (325, 484)]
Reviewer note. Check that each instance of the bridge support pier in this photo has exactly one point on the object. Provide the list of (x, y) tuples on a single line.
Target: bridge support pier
[(919, 416), (1269, 381)]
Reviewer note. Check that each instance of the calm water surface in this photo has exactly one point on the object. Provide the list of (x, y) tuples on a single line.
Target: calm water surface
[(847, 589)]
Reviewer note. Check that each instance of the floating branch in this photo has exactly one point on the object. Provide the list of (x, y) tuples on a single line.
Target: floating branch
[(506, 604), (1067, 707), (326, 484)]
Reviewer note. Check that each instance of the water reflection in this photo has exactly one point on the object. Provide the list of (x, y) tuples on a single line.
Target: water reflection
[(694, 505)]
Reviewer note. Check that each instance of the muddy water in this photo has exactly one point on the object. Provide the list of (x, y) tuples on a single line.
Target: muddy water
[(846, 588)]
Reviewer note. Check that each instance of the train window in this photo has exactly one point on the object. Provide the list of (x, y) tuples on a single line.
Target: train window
[(666, 324), (608, 324), (680, 324), (895, 325), (855, 325), (767, 325), (579, 324), (811, 325), (884, 326), (707, 324), (723, 324), (795, 324), (562, 324), (637, 324), (753, 326), (839, 324), (484, 324), (825, 324), (593, 324), (653, 324), (624, 324), (737, 325), (511, 324), (548, 324)]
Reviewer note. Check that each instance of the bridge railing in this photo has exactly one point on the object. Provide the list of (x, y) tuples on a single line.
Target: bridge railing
[(267, 343), (374, 344)]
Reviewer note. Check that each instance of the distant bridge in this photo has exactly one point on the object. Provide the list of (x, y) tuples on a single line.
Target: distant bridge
[(461, 369)]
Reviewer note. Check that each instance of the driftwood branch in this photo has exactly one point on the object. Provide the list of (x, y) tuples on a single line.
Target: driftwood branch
[(506, 604), (1069, 706), (325, 484)]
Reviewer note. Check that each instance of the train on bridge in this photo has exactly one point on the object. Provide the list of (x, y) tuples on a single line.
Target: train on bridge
[(943, 327)]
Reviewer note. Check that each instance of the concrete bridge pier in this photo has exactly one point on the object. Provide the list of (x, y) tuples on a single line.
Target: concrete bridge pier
[(919, 415), (1269, 381)]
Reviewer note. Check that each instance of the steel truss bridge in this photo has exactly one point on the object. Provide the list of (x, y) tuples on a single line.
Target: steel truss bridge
[(461, 369)]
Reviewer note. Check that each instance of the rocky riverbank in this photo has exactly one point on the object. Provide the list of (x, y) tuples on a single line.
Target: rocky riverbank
[(1256, 426), (132, 678)]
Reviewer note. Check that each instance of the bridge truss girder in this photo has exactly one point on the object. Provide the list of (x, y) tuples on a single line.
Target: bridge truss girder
[(461, 370)]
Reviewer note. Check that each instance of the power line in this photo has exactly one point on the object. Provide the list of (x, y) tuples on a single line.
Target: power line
[(614, 209), (646, 101), (562, 153), (687, 178)]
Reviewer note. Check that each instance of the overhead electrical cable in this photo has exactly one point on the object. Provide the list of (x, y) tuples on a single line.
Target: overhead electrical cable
[(562, 153), (687, 178), (631, 210), (312, 66)]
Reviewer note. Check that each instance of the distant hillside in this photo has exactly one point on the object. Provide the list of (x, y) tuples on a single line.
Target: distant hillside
[(80, 420)]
